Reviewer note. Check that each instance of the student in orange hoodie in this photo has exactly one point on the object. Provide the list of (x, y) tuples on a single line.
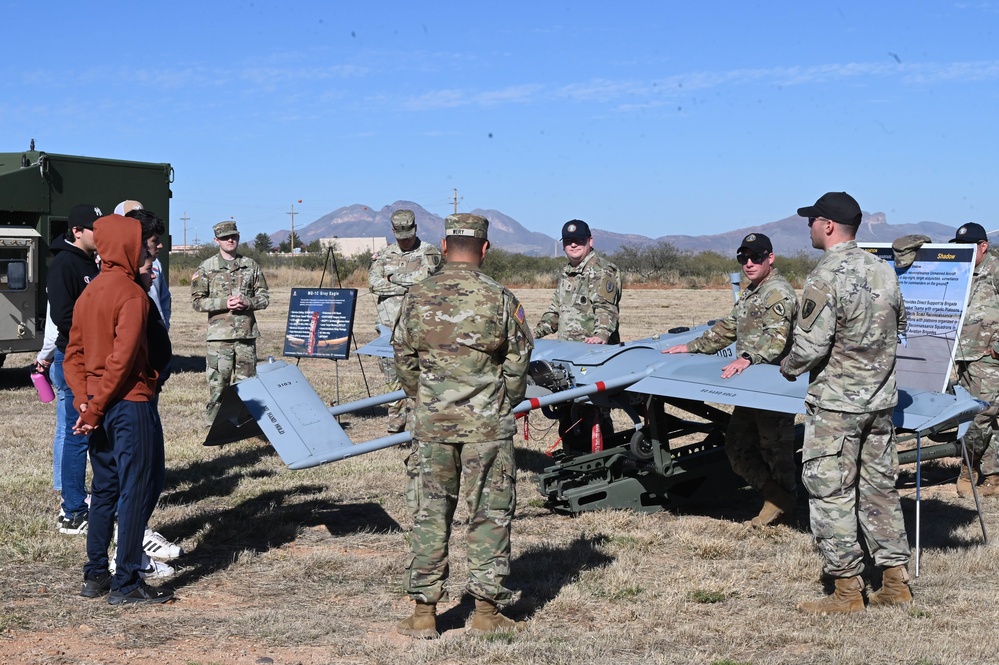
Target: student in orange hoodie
[(107, 367)]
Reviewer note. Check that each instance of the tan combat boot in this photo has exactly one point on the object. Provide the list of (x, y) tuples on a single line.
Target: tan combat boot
[(777, 503), (848, 597), (487, 619), (894, 588), (967, 479), (990, 486), (422, 624)]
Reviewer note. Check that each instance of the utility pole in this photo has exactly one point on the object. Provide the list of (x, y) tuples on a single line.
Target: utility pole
[(455, 200), (185, 219), (291, 240)]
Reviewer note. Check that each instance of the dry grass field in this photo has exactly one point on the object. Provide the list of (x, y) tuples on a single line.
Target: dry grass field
[(305, 566)]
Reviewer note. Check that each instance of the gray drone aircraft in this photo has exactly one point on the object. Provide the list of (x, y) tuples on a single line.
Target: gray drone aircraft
[(669, 455)]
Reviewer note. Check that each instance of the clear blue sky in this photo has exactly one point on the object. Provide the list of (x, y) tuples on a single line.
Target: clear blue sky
[(639, 117)]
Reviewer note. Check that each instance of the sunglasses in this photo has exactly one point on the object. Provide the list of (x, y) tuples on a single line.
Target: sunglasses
[(755, 257)]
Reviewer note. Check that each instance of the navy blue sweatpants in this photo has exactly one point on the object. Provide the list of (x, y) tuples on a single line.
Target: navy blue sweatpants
[(126, 454)]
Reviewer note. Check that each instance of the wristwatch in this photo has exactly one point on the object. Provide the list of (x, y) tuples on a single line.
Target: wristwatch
[(748, 357)]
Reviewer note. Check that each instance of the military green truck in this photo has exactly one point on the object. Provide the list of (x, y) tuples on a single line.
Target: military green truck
[(37, 191)]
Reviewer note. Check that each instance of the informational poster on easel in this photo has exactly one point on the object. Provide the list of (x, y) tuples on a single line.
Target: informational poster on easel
[(935, 289), (320, 323)]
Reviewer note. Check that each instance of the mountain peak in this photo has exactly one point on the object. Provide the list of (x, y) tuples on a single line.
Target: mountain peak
[(789, 235)]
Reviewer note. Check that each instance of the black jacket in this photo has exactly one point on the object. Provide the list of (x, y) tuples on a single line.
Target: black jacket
[(70, 272)]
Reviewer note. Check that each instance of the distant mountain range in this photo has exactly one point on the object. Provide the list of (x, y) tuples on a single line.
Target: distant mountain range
[(789, 235)]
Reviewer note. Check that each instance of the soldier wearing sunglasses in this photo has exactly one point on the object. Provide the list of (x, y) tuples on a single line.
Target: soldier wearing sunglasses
[(760, 444)]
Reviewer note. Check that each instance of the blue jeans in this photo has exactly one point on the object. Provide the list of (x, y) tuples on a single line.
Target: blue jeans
[(127, 456), (74, 447), (58, 382)]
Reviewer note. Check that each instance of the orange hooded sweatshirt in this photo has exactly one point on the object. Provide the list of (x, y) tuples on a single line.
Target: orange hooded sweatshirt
[(107, 357)]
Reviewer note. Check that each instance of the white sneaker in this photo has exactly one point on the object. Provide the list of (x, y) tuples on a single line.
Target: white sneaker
[(151, 568), (154, 570), (156, 546)]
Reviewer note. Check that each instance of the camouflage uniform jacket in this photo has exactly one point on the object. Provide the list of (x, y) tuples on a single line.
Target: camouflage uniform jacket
[(585, 303), (211, 285), (847, 331), (393, 271), (461, 350), (760, 323), (980, 331)]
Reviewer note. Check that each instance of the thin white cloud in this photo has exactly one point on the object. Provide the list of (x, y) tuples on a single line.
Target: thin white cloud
[(634, 94), (272, 77)]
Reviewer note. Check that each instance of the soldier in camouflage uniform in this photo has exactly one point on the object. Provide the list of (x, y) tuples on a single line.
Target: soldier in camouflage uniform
[(584, 308), (759, 443), (462, 349), (586, 303), (851, 316), (229, 287), (393, 270), (977, 360)]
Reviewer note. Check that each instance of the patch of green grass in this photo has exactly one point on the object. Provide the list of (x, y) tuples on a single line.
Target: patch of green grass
[(919, 613), (704, 596), (500, 636), (625, 540), (726, 661), (9, 620), (629, 591)]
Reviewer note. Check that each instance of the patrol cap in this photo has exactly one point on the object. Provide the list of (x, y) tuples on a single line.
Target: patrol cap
[(224, 229), (756, 242), (83, 216), (971, 233), (905, 248), (466, 224), (404, 224), (126, 207), (837, 206), (576, 229)]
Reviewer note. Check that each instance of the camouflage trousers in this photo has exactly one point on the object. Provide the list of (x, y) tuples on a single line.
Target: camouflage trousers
[(850, 468), (485, 473), (982, 381), (227, 362), (398, 410), (760, 447)]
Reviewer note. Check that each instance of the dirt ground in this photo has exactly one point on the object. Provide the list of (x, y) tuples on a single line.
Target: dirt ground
[(305, 566)]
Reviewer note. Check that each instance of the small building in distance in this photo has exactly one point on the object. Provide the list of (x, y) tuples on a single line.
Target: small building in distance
[(349, 247)]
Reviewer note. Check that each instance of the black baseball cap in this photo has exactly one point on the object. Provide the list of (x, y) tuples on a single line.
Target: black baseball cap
[(83, 216), (971, 233), (756, 242), (576, 229), (837, 206)]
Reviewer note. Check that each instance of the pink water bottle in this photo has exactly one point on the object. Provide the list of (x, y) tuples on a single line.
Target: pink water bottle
[(43, 387)]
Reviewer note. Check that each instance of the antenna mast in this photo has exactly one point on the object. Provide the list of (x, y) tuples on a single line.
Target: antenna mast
[(291, 238), (185, 219)]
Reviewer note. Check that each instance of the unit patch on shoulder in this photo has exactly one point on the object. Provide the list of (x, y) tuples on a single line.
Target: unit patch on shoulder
[(813, 301), (779, 309), (807, 309), (519, 313), (610, 286)]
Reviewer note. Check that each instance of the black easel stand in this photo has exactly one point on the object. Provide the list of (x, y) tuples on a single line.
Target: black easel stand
[(330, 260)]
